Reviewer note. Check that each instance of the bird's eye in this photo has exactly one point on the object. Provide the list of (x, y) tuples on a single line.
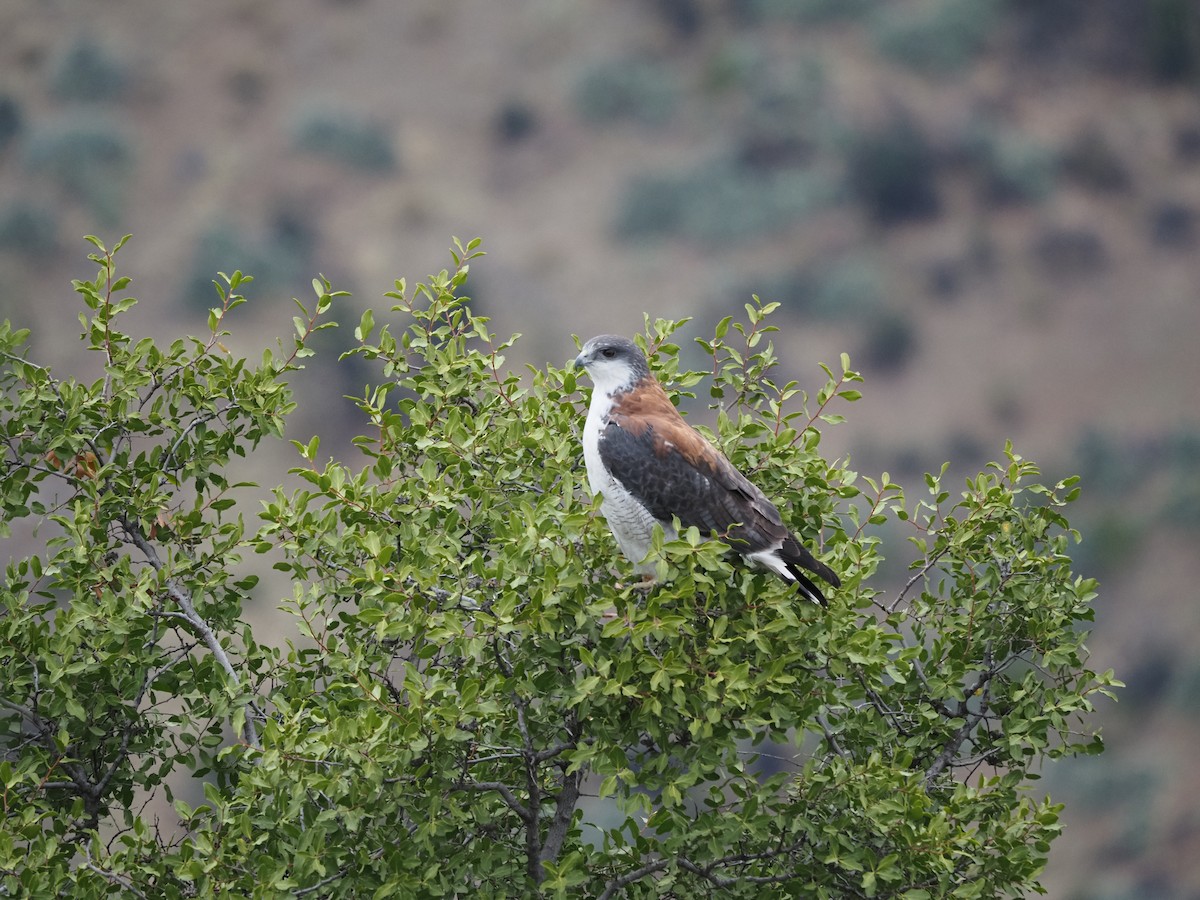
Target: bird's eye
[(608, 352)]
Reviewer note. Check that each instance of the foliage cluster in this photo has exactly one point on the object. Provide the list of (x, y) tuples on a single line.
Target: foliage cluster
[(468, 700)]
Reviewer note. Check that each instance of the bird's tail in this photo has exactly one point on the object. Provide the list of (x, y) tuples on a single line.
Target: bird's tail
[(796, 558)]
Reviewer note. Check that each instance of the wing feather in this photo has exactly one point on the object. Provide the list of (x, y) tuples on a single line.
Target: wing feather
[(673, 471)]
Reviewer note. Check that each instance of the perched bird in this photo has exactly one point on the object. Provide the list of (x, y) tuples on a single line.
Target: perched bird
[(649, 466)]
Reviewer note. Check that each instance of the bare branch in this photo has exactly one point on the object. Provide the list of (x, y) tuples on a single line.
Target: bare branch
[(982, 688), (829, 737), (610, 889), (188, 611), (112, 877), (506, 794)]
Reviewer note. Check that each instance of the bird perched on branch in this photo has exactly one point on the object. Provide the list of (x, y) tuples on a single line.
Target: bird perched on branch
[(651, 467)]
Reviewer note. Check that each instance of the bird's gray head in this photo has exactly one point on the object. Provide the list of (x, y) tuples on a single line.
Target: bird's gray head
[(614, 363)]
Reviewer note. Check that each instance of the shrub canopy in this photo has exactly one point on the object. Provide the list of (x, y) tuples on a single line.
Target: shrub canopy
[(464, 699)]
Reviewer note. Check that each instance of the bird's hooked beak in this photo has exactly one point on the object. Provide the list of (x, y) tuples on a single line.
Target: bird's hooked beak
[(578, 362)]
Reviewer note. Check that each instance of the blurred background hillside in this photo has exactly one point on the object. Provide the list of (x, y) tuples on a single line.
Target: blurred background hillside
[(992, 205)]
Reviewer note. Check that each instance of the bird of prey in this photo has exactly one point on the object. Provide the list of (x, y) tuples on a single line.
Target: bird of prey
[(651, 467)]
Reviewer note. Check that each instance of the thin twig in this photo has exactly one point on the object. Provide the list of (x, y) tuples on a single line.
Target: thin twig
[(921, 573)]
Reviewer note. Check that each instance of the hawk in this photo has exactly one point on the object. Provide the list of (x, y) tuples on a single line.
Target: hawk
[(651, 467)]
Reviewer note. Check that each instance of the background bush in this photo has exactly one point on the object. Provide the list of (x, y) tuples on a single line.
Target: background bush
[(463, 691), (88, 158), (88, 71), (346, 139)]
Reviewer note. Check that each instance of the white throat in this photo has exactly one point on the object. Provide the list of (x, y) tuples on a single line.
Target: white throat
[(609, 379)]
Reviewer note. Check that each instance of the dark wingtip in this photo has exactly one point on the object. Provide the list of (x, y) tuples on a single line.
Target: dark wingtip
[(795, 556), (807, 587), (827, 574)]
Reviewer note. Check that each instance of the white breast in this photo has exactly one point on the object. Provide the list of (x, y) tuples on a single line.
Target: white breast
[(630, 522)]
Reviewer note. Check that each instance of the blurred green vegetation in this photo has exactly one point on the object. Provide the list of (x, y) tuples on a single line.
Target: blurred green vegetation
[(801, 11), (718, 201), (1135, 483), (87, 71), (88, 156), (936, 37), (892, 170), (1011, 168), (28, 228), (642, 90), (344, 138), (11, 120), (277, 258)]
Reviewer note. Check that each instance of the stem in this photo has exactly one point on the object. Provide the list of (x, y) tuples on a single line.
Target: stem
[(202, 629)]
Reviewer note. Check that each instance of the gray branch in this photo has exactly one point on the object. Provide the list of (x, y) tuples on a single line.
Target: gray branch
[(971, 720), (506, 794), (196, 622)]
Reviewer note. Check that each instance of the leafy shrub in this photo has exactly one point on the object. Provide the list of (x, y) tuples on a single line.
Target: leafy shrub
[(1090, 160), (890, 341), (892, 170), (278, 257), (937, 36), (786, 118), (1174, 224), (89, 72), (719, 201), (1183, 506), (848, 288), (1173, 39), (28, 228), (944, 279), (685, 17), (346, 139), (804, 11), (1112, 542), (734, 63), (87, 157), (515, 122), (1110, 467), (1011, 168), (11, 120), (643, 91), (851, 287), (1128, 472), (460, 671), (1186, 695)]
